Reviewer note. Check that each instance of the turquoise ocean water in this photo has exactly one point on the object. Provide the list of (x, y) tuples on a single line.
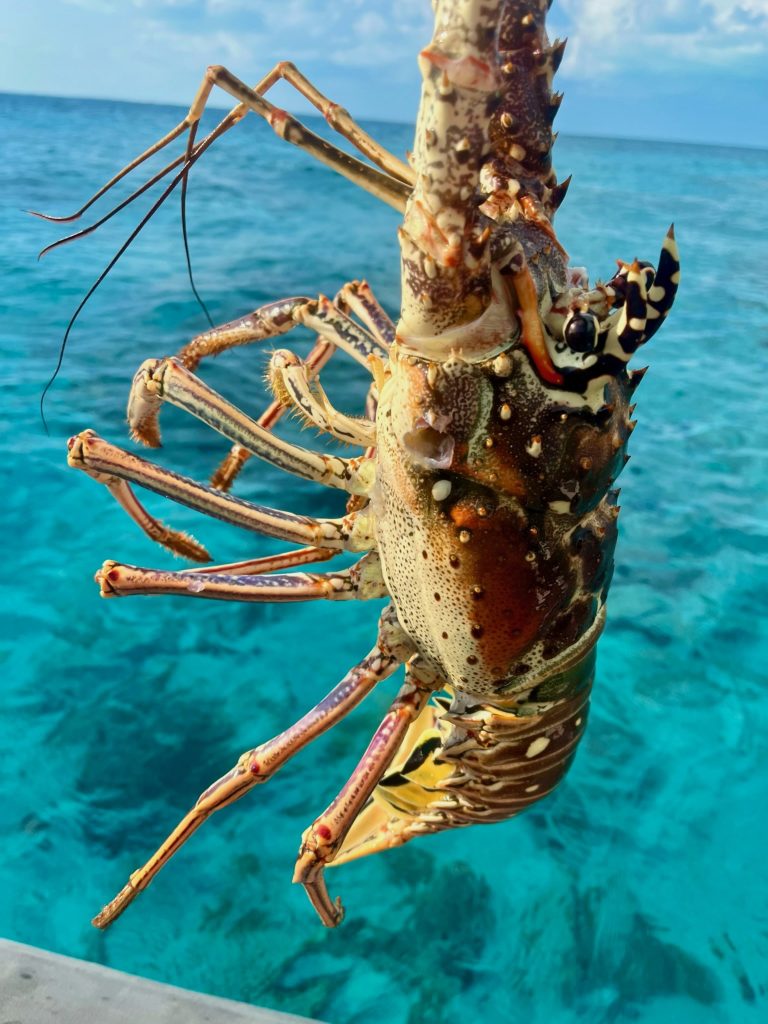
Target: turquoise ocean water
[(638, 891)]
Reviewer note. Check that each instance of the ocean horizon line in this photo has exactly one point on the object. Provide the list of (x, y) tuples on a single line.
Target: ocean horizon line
[(305, 114)]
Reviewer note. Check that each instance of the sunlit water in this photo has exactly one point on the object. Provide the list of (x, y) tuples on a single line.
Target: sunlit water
[(637, 892)]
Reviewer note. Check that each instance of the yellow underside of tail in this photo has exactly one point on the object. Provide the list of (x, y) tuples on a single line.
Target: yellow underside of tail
[(409, 789)]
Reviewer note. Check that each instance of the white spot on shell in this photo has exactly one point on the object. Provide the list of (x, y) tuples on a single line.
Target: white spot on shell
[(532, 789), (502, 365), (560, 507), (577, 722), (636, 323), (534, 448), (195, 585), (538, 746), (505, 412), (441, 490), (444, 85)]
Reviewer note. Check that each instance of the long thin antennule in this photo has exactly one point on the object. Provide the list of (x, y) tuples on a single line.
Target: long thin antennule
[(223, 126), (121, 206), (184, 235), (139, 227)]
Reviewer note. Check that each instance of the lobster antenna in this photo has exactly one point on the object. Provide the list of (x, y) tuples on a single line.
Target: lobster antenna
[(139, 227), (155, 148), (184, 235), (189, 161), (121, 206)]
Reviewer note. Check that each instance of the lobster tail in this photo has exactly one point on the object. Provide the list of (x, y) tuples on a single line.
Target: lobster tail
[(520, 131), (482, 157), (444, 245)]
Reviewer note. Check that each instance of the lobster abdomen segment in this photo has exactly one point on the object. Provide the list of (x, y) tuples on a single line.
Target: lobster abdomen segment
[(465, 764)]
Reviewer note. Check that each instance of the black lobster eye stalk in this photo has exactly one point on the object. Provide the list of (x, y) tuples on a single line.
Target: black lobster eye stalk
[(580, 332)]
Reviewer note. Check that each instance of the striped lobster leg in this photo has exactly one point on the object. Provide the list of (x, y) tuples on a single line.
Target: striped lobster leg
[(258, 765)]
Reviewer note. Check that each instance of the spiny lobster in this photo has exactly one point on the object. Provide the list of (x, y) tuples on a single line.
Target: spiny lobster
[(496, 424)]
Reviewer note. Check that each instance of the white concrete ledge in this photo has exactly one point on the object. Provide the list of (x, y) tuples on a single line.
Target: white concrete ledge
[(37, 987)]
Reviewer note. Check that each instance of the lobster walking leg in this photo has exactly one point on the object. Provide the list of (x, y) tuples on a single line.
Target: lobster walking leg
[(182, 544), (177, 541), (291, 378), (361, 582), (277, 318), (230, 466), (260, 764), (108, 463), (358, 298), (266, 563), (325, 835), (339, 331), (390, 190), (167, 380)]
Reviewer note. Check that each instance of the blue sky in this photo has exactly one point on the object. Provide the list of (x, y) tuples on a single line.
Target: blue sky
[(687, 70)]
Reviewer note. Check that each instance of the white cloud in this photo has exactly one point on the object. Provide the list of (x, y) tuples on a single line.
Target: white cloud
[(364, 53), (218, 47), (608, 36), (349, 34)]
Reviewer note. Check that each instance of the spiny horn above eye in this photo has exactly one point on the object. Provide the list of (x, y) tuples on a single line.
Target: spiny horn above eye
[(632, 319), (663, 289), (645, 295)]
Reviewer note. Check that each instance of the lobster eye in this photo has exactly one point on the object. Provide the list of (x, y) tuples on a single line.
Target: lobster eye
[(581, 332)]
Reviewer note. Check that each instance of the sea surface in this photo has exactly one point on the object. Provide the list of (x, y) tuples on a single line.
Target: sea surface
[(637, 892)]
